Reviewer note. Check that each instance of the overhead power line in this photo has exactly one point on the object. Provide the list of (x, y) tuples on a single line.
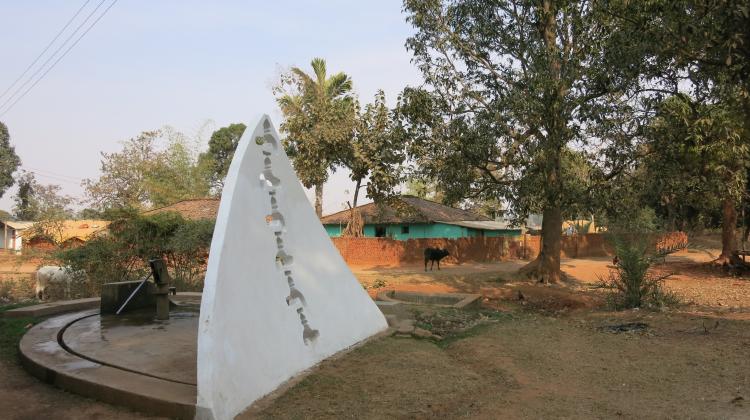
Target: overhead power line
[(45, 49), (64, 53), (50, 173), (51, 57), (54, 178)]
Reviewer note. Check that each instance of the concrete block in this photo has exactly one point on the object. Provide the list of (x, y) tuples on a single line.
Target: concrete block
[(115, 294)]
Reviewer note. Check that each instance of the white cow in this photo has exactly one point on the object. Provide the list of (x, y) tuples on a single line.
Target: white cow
[(50, 274)]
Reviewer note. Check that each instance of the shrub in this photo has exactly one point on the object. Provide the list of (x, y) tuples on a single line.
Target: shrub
[(631, 285), (124, 252)]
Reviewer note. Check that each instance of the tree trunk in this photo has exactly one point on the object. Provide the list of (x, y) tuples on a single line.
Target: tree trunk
[(546, 267), (319, 200), (356, 193), (728, 231)]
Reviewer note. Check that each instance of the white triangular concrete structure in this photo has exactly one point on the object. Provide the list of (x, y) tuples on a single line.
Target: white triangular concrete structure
[(278, 298)]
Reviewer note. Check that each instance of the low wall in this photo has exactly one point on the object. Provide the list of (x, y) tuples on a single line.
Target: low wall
[(390, 252)]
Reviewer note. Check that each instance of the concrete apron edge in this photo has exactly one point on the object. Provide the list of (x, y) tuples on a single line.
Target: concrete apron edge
[(42, 356)]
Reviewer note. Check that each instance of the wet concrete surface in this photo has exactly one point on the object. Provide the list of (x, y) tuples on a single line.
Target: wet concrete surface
[(136, 341)]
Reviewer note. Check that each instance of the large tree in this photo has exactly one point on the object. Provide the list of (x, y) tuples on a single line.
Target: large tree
[(319, 118), (698, 163), (9, 161), (375, 153), (147, 173), (38, 202), (704, 45), (512, 86), (219, 155)]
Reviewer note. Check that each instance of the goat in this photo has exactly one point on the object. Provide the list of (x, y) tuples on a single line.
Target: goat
[(432, 255)]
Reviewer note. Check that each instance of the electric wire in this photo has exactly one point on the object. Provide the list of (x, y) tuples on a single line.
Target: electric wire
[(61, 57), (45, 49)]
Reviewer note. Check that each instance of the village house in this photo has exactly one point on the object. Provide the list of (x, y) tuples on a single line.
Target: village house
[(13, 234), (419, 218), (70, 233)]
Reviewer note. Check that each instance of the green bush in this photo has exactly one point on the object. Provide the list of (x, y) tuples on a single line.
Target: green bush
[(123, 253), (631, 285)]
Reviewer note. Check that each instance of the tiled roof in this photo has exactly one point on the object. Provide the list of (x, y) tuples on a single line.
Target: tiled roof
[(80, 229), (410, 209), (18, 225), (193, 209)]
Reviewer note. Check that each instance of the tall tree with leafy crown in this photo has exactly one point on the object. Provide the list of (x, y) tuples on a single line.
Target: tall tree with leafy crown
[(9, 160), (319, 119), (703, 44), (512, 86)]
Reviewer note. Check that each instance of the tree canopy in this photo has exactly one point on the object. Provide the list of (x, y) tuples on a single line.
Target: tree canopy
[(38, 202), (154, 169), (511, 87), (319, 120), (219, 155), (9, 161), (376, 151)]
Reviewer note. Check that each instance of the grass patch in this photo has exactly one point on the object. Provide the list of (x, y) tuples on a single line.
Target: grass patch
[(10, 306), (11, 331)]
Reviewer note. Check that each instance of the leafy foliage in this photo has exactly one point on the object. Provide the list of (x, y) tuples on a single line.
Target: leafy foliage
[(144, 175), (319, 120), (376, 152), (631, 284), (699, 47), (9, 160), (221, 149), (37, 202), (516, 88), (697, 158), (123, 254)]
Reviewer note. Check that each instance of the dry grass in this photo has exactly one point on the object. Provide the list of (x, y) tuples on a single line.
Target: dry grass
[(532, 366)]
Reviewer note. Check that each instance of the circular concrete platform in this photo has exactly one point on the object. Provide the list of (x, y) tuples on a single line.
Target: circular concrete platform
[(131, 360)]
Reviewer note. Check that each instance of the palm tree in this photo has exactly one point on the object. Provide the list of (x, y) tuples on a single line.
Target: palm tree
[(318, 120)]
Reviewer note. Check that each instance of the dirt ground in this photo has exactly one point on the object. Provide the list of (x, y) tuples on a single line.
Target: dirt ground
[(554, 356), (550, 355), (699, 287), (531, 367), (23, 397)]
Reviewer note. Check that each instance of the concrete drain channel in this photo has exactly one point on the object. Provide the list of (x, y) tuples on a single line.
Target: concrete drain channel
[(453, 300), (393, 304)]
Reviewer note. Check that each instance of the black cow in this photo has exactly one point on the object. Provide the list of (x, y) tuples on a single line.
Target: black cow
[(434, 254)]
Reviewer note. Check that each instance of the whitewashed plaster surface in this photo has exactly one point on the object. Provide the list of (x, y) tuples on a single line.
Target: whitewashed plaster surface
[(278, 298)]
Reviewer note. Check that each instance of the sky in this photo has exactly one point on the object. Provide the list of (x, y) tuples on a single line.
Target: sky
[(147, 64)]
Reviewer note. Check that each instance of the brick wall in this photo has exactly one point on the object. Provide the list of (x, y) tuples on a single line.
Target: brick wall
[(389, 252)]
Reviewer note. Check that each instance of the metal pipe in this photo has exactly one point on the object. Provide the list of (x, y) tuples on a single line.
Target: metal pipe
[(133, 294)]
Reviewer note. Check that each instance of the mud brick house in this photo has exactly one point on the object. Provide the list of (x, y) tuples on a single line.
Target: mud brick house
[(413, 218)]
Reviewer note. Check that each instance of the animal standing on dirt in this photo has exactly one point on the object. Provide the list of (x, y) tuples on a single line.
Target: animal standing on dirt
[(432, 255), (49, 274)]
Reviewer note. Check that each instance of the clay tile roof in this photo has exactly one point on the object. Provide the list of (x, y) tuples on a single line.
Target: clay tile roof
[(412, 210), (193, 209), (77, 229)]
